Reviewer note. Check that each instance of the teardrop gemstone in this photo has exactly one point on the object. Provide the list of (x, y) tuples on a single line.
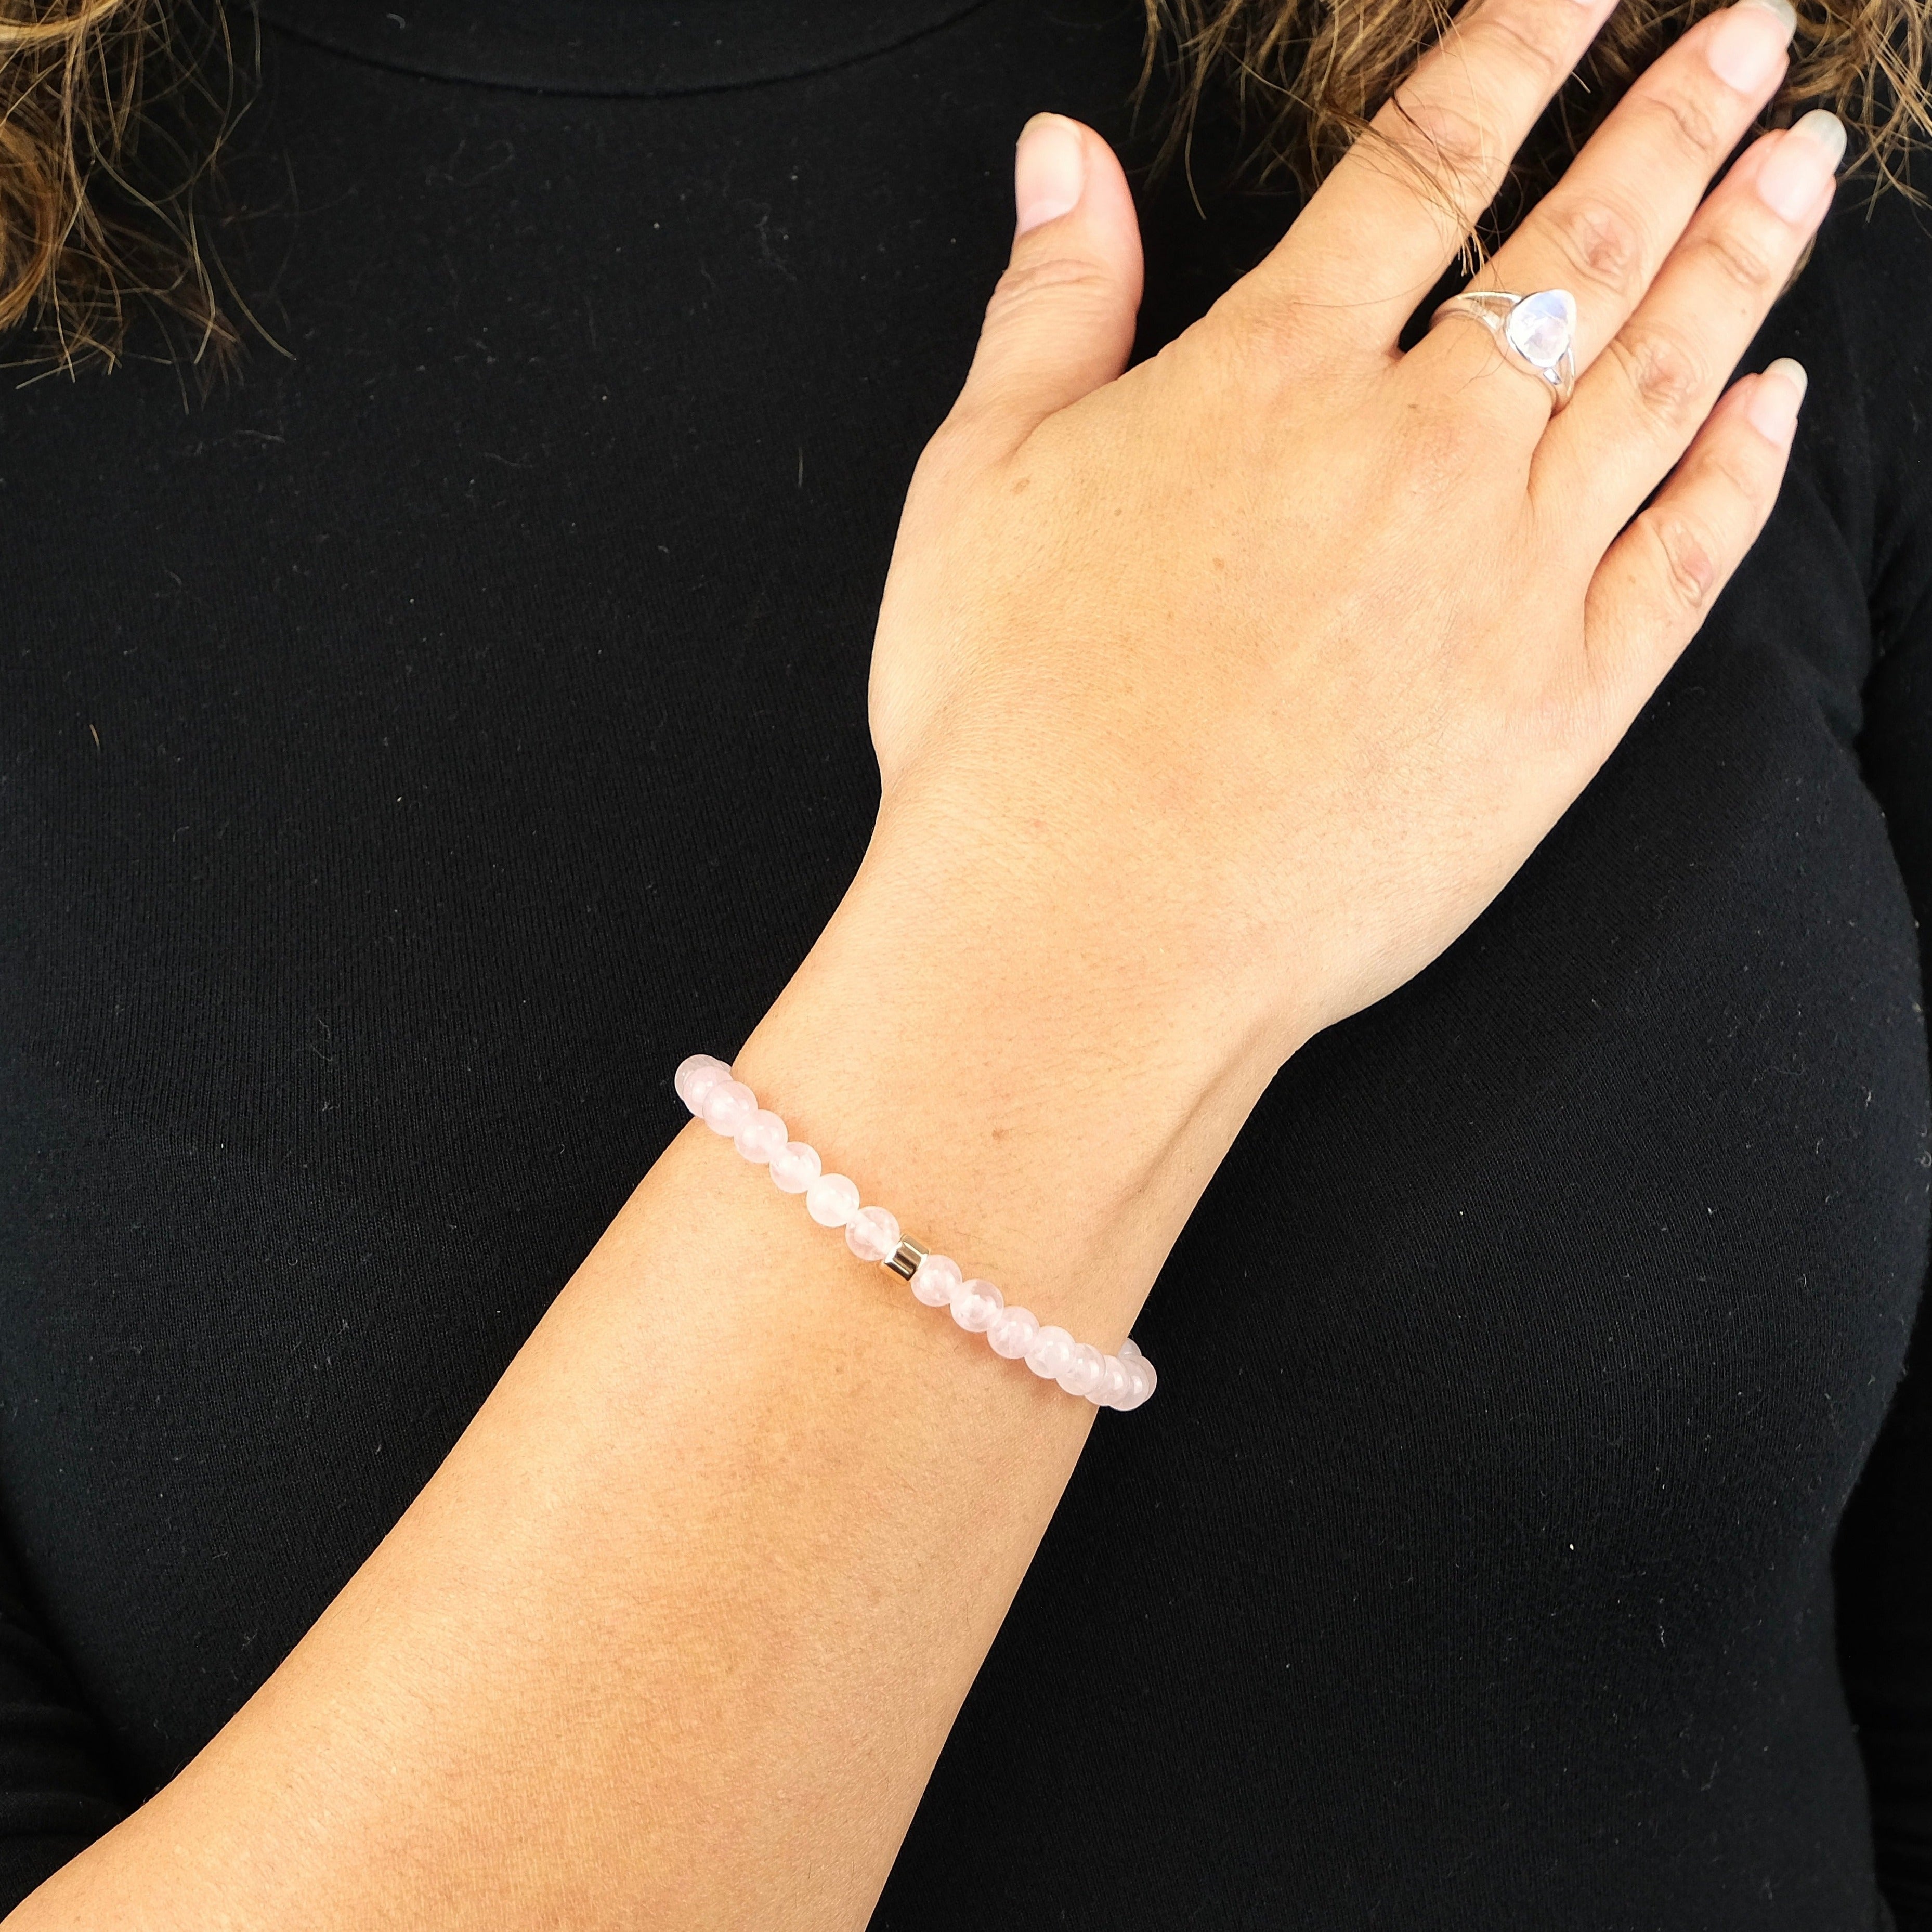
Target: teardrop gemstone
[(1541, 327)]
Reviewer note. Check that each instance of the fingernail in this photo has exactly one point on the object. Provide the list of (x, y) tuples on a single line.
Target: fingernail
[(1746, 47), (1823, 126), (1049, 170), (1773, 407), (1801, 163)]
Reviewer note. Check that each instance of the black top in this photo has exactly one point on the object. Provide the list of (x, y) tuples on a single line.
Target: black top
[(367, 869)]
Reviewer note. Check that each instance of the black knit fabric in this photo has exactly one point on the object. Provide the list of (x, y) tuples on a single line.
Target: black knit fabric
[(409, 751)]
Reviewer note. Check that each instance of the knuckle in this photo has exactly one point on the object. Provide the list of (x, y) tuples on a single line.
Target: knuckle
[(1684, 118), (1253, 335), (1259, 344), (1451, 122), (1059, 278), (1686, 558), (1739, 258), (1603, 245), (1520, 36), (1747, 467), (1737, 477), (1666, 378), (1450, 147)]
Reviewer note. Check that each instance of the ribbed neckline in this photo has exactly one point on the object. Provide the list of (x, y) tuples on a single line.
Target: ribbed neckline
[(638, 47)]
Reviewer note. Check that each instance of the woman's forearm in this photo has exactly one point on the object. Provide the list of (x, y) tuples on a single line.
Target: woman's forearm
[(675, 1634)]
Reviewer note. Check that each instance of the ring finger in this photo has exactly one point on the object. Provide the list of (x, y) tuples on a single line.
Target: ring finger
[(1606, 228), (1637, 411)]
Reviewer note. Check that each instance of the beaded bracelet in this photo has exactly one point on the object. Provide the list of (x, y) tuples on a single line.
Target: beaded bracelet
[(729, 1107)]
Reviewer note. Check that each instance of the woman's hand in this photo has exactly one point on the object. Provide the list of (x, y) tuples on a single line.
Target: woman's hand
[(1274, 658)]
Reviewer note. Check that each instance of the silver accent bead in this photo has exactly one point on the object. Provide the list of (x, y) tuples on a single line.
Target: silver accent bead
[(904, 1259)]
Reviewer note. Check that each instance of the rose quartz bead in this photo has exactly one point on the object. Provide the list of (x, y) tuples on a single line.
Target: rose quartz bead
[(728, 1107), (935, 1280), (1012, 1332), (794, 1168), (696, 1077), (974, 1305), (1140, 1373), (1085, 1373), (1052, 1354), (872, 1233), (763, 1136), (831, 1200), (1113, 1385)]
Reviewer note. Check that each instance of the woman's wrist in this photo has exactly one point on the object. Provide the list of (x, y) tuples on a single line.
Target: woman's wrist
[(1030, 1087)]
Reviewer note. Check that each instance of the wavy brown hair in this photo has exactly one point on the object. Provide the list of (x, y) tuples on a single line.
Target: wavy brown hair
[(1304, 77), (111, 111)]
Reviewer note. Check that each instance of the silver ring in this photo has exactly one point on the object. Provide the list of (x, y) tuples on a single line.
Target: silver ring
[(1537, 334)]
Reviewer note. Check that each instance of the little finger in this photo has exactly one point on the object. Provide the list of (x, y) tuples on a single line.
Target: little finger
[(1655, 585)]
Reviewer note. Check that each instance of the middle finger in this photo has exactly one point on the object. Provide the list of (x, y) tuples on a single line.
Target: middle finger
[(1604, 229)]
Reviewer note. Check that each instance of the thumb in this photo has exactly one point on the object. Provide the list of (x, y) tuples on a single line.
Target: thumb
[(1061, 321)]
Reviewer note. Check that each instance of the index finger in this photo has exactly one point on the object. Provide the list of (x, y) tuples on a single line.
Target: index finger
[(1378, 233)]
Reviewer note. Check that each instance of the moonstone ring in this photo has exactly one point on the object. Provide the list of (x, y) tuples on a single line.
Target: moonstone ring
[(1537, 334)]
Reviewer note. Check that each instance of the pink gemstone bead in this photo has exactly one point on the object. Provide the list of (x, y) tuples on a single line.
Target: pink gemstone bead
[(1012, 1332), (1085, 1373), (1140, 1373), (1052, 1354), (1114, 1384), (831, 1200), (728, 1107), (974, 1305), (794, 1168), (696, 1077), (935, 1280), (763, 1136), (872, 1233)]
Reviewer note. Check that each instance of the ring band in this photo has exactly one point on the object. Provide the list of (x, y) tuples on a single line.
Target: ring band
[(1537, 334)]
